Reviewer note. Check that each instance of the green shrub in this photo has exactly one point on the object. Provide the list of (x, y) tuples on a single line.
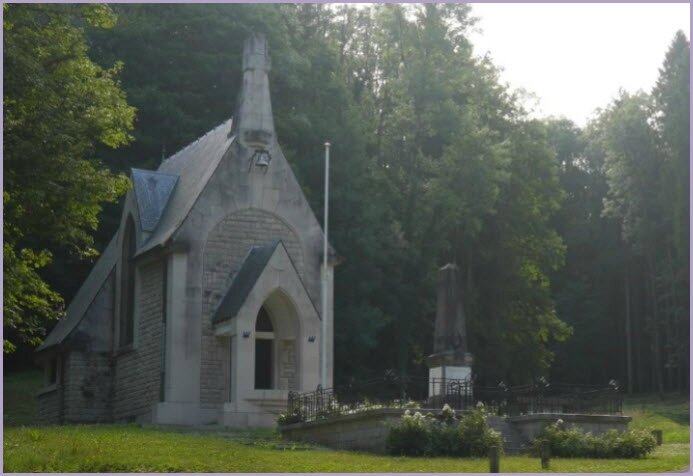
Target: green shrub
[(412, 437), (476, 437), (444, 439), (444, 435), (631, 444), (575, 443)]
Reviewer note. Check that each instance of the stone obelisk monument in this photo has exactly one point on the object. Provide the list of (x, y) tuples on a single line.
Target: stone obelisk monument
[(450, 359)]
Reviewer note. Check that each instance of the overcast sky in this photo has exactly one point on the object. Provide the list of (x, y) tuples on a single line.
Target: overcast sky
[(575, 57)]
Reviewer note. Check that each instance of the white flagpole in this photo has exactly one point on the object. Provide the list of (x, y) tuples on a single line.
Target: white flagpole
[(323, 338)]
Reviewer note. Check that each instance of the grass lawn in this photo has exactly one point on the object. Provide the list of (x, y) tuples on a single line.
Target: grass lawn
[(126, 448), (132, 448), (671, 415)]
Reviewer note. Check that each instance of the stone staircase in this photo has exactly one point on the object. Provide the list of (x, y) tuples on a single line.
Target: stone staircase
[(513, 441)]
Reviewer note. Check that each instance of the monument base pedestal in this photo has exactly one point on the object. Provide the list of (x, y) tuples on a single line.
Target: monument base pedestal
[(439, 378), (446, 370), (450, 372)]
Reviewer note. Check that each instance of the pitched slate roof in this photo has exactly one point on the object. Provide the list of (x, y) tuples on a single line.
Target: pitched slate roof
[(152, 191), (84, 297), (244, 280), (182, 177), (193, 165)]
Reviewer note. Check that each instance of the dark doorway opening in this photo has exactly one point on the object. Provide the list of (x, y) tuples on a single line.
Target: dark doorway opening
[(263, 364)]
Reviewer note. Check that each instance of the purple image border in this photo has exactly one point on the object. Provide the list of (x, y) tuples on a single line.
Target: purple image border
[(353, 2)]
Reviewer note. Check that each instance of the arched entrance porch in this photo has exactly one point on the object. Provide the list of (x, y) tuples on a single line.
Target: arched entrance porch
[(272, 330), (276, 329)]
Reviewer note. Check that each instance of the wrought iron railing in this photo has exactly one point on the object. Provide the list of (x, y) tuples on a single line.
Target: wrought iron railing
[(396, 393), (543, 397)]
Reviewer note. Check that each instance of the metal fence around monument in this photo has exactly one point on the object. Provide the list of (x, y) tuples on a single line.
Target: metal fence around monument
[(543, 397), (461, 395)]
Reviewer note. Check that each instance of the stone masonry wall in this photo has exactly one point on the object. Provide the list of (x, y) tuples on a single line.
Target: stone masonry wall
[(365, 431), (287, 363), (138, 372), (49, 404), (88, 383), (84, 391), (226, 248), (88, 387)]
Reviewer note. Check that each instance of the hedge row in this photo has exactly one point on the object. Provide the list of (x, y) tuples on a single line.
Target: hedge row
[(574, 443)]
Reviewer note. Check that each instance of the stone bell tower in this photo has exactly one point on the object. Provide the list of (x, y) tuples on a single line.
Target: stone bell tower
[(253, 121), (450, 359)]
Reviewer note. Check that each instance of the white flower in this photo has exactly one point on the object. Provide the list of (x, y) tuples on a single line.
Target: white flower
[(418, 416)]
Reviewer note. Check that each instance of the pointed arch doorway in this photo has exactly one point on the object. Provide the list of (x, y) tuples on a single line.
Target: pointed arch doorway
[(276, 330), (264, 351)]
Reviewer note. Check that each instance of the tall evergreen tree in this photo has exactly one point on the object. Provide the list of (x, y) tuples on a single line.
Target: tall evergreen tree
[(672, 115), (589, 289)]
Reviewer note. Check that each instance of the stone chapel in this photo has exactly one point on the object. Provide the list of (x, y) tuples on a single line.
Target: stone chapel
[(205, 306)]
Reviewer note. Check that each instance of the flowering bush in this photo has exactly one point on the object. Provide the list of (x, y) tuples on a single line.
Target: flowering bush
[(575, 443), (444, 435), (447, 414)]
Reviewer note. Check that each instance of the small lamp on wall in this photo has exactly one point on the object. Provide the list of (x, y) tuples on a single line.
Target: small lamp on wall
[(311, 338), (246, 334)]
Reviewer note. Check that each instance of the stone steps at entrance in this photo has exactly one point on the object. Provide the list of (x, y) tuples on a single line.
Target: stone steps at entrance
[(513, 441)]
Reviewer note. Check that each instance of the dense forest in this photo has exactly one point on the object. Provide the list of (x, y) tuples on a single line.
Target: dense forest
[(573, 242)]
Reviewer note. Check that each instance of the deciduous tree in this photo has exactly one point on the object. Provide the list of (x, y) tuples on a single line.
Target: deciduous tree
[(57, 105)]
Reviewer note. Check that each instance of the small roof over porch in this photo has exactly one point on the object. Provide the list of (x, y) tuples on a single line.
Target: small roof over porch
[(267, 271)]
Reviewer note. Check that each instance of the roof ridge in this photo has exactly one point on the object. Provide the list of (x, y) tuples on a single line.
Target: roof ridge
[(193, 143)]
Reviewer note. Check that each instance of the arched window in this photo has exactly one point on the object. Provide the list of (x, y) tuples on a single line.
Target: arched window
[(264, 344), (127, 286)]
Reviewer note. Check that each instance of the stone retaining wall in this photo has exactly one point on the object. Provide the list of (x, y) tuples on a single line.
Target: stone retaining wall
[(532, 425), (365, 431)]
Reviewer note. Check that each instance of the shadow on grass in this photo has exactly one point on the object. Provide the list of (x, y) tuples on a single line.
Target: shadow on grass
[(673, 407), (20, 401)]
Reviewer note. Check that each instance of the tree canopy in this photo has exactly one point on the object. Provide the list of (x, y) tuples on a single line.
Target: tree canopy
[(58, 104), (572, 241)]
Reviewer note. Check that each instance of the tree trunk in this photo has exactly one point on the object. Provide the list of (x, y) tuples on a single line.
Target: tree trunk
[(637, 330), (658, 381), (629, 346), (469, 283)]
